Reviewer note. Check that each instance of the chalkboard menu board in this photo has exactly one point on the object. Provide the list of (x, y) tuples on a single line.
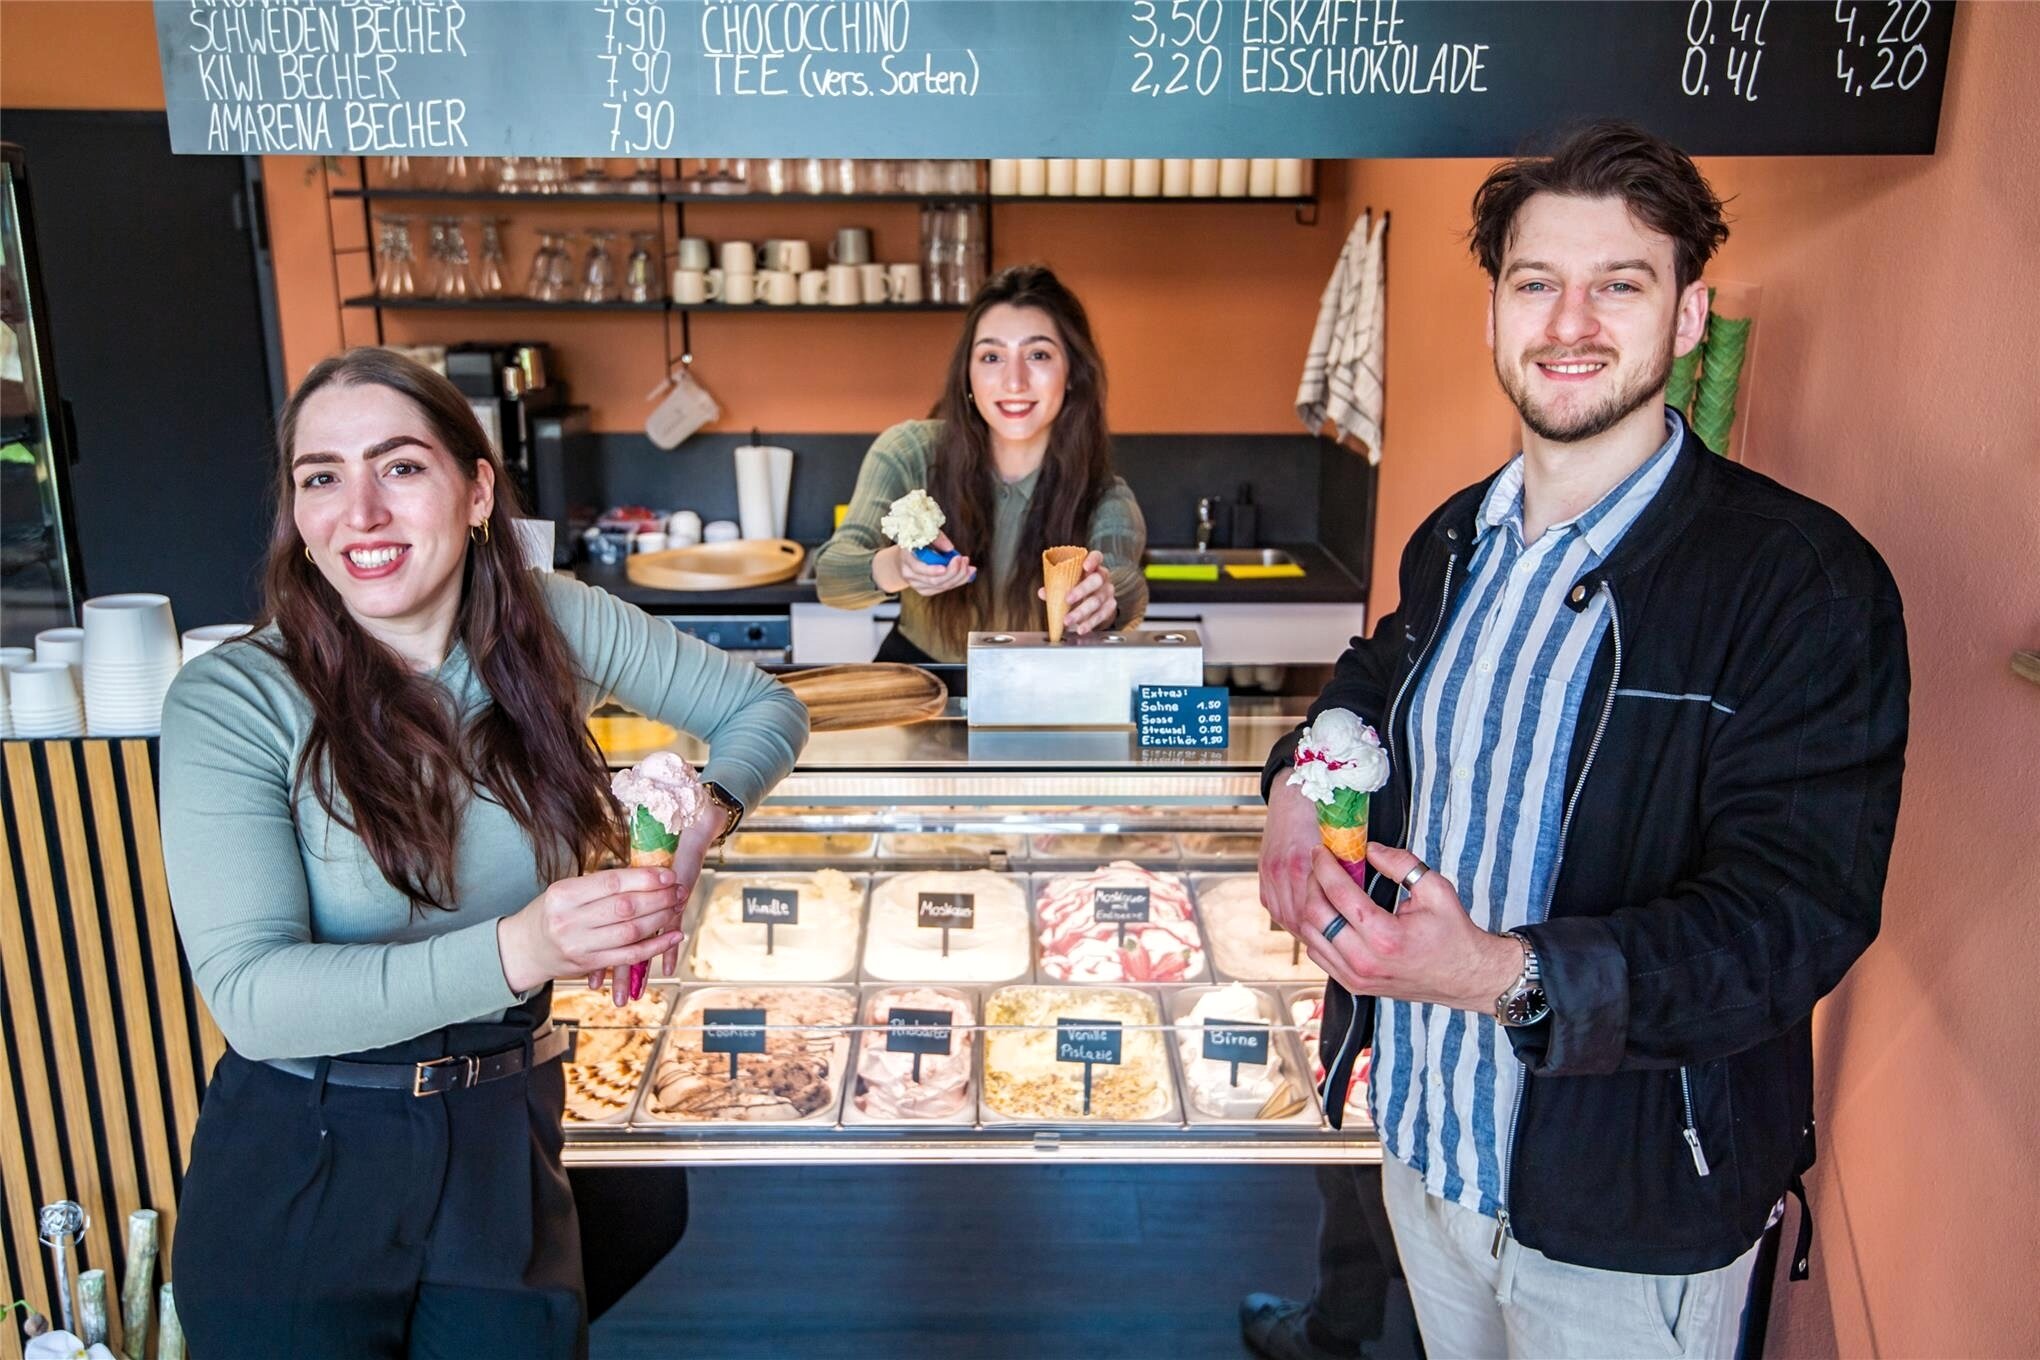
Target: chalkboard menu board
[(974, 78), (1182, 715)]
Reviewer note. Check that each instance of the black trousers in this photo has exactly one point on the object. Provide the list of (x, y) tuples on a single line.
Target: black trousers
[(1356, 1259), (320, 1220)]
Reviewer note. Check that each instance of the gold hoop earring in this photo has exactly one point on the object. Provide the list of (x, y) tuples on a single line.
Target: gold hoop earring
[(308, 554), (484, 527)]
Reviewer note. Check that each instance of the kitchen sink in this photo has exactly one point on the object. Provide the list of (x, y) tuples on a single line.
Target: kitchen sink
[(1218, 557)]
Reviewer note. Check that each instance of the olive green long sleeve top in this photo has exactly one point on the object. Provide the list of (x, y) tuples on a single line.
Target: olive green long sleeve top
[(898, 463), (296, 941)]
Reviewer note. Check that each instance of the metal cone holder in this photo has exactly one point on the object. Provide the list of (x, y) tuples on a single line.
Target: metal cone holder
[(59, 1226)]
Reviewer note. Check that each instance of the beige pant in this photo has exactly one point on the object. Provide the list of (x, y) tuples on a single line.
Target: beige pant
[(1526, 1305)]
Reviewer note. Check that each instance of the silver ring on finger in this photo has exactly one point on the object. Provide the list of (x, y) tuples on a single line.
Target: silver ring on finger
[(1415, 876), (1332, 928)]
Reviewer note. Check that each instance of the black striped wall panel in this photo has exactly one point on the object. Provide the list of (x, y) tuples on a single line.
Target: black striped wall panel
[(104, 1046)]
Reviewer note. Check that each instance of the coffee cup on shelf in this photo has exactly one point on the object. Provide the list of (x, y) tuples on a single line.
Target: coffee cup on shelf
[(846, 285), (793, 257), (814, 287), (738, 257), (778, 288), (903, 282), (740, 290), (851, 246), (693, 253), (874, 283), (690, 285)]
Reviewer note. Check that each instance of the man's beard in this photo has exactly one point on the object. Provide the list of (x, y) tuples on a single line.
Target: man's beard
[(1597, 420)]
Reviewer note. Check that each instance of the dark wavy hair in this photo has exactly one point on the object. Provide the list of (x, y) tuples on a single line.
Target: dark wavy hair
[(1611, 159), (387, 757), (1075, 474)]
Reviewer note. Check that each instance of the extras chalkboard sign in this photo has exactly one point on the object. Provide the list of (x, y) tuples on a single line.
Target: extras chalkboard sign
[(1182, 715), (966, 78), (732, 1030)]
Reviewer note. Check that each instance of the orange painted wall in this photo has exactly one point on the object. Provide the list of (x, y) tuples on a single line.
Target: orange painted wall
[(79, 54)]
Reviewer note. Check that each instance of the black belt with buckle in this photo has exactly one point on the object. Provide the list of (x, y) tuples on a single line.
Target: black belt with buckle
[(436, 1076)]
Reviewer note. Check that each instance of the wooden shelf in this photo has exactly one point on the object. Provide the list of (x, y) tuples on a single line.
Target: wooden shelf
[(502, 304), (1157, 200), (391, 194)]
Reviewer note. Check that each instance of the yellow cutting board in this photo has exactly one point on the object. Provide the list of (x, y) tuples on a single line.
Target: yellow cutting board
[(717, 566)]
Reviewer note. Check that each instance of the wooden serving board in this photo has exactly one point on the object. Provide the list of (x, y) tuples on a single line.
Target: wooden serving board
[(717, 566), (847, 698)]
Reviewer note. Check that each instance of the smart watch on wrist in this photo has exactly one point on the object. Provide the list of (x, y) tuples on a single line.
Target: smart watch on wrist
[(731, 809), (1523, 1001)]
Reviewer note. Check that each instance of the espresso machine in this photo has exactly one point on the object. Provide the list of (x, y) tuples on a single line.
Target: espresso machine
[(508, 385)]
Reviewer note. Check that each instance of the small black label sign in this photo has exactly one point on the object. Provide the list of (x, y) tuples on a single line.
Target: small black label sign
[(1087, 1042), (771, 906), (949, 911), (918, 1033), (912, 1031), (733, 1030), (1120, 906), (1236, 1042)]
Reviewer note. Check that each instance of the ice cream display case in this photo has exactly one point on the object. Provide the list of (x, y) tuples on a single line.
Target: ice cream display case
[(939, 943)]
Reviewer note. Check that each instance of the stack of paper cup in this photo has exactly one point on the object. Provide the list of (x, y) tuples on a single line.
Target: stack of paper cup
[(61, 644), (42, 700), (764, 481), (131, 656), (199, 641)]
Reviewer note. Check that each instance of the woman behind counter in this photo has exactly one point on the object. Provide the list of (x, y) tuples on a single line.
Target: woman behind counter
[(1018, 457), (376, 815)]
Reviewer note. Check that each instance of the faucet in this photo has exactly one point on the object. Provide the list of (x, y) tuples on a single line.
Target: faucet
[(1206, 507)]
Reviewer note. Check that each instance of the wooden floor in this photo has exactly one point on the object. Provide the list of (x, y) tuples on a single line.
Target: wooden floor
[(975, 1263)]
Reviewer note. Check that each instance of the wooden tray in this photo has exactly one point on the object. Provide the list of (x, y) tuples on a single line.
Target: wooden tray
[(717, 566), (847, 698)]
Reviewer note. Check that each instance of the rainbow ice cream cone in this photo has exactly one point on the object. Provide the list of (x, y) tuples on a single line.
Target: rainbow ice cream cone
[(1339, 763), (661, 797)]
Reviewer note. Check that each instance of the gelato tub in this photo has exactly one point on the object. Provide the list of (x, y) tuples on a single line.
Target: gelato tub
[(1246, 944), (1222, 845), (1265, 1085), (1026, 1082), (1089, 849), (1307, 1013), (899, 948), (612, 1050), (1081, 943), (972, 847), (799, 846), (820, 945), (889, 1086), (797, 1079)]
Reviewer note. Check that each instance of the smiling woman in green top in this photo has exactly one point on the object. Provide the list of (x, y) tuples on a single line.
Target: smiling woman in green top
[(378, 813), (1018, 457)]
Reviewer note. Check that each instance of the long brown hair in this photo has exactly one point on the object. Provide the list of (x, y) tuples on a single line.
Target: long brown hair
[(1076, 472), (387, 757)]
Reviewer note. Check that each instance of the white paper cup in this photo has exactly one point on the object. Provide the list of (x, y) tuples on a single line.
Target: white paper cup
[(61, 644), (42, 686), (16, 656), (534, 538), (134, 629), (199, 641)]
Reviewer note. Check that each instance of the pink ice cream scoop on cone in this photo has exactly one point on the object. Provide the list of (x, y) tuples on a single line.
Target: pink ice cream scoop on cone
[(1339, 763), (661, 797)]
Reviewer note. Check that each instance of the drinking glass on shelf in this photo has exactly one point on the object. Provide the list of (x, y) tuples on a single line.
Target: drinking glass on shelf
[(489, 273), (960, 177), (393, 276), (434, 266), (843, 176), (542, 284), (647, 170), (641, 281), (598, 269), (456, 271), (594, 174), (396, 171), (774, 175), (814, 176)]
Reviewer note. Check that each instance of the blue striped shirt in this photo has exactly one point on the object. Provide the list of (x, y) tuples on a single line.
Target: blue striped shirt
[(1490, 728)]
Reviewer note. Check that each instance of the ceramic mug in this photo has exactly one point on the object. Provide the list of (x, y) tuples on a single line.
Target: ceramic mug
[(814, 288), (846, 286), (778, 287), (738, 257), (851, 246), (690, 285), (693, 253), (740, 290), (793, 257), (874, 283), (903, 282)]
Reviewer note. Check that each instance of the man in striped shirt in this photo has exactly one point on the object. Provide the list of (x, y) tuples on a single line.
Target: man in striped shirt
[(1737, 783)]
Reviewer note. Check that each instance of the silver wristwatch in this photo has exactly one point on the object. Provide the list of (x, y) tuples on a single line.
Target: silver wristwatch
[(1523, 1002)]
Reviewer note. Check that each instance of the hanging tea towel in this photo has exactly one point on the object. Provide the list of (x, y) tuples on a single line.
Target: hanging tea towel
[(1342, 375)]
